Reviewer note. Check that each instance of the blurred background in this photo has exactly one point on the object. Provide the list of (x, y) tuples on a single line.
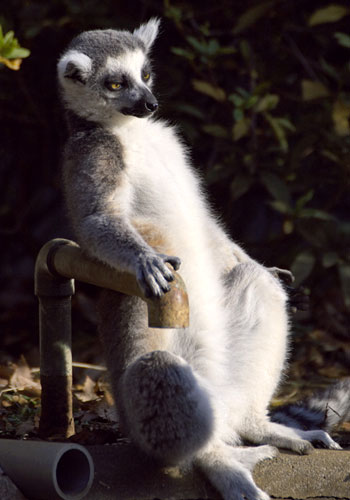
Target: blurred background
[(260, 91)]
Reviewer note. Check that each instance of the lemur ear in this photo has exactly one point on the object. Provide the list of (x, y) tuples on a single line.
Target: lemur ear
[(75, 66), (148, 32)]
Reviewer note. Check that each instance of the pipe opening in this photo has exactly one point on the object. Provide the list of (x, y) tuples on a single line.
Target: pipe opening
[(73, 472)]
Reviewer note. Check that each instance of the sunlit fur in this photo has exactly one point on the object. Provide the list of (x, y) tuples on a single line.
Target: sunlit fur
[(191, 395)]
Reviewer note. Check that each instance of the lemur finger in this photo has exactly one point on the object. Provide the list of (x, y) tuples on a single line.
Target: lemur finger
[(148, 284), (161, 280), (175, 262), (164, 269), (283, 273), (153, 287)]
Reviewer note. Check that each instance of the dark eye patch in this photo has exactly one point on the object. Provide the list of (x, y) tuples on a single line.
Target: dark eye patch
[(115, 81)]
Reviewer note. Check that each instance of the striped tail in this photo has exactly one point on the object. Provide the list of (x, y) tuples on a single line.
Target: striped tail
[(325, 410)]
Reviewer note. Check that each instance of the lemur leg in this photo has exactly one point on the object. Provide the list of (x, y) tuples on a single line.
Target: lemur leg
[(259, 344), (229, 469), (279, 435), (259, 327), (161, 403)]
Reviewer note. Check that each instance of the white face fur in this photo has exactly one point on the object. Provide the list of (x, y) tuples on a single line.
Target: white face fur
[(106, 74)]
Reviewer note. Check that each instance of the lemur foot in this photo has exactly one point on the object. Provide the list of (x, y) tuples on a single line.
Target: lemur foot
[(320, 438), (302, 447), (250, 456)]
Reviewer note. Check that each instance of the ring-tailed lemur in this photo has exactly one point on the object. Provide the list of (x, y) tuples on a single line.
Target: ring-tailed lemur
[(187, 395)]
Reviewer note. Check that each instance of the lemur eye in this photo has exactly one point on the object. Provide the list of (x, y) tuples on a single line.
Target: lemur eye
[(146, 75), (113, 85)]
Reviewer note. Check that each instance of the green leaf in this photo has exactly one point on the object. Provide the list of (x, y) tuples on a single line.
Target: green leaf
[(278, 130), (243, 92), (344, 274), (330, 70), (196, 44), (313, 231), (210, 48), (314, 213), (238, 114), (301, 202), (246, 50), (267, 103), (172, 12), (227, 50), (190, 110), (236, 99), (251, 101), (207, 88), (302, 266), (241, 128), (18, 53), (240, 185), (179, 51), (287, 124), (288, 226), (276, 187), (330, 14), (251, 16), (343, 39), (213, 47), (8, 38), (280, 206), (329, 259), (313, 90), (215, 130)]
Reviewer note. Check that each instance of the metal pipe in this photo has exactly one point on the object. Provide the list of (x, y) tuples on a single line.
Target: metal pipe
[(59, 262), (44, 470)]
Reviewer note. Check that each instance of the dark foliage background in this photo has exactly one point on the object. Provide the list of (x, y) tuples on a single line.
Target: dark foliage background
[(261, 93)]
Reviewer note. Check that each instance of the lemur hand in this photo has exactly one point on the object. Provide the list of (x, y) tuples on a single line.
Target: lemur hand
[(153, 275)]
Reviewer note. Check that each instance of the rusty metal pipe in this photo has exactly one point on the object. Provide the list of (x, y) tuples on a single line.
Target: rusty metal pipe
[(59, 262)]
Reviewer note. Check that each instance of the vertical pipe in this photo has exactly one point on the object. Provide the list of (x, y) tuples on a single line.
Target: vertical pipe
[(54, 294)]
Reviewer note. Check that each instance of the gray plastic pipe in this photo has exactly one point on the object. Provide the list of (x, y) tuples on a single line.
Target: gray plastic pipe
[(47, 471), (59, 262)]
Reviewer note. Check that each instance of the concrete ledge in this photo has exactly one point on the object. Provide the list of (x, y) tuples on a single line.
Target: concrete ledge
[(324, 473), (123, 473)]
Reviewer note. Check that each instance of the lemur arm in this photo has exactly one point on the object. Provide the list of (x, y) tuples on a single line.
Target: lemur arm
[(231, 254), (98, 197)]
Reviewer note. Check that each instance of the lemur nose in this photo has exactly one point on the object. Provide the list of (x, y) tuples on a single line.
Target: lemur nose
[(151, 106)]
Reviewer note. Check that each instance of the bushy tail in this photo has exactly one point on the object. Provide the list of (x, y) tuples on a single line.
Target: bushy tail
[(325, 410), (167, 413)]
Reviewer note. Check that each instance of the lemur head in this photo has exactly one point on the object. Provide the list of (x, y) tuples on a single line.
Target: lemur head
[(106, 73)]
